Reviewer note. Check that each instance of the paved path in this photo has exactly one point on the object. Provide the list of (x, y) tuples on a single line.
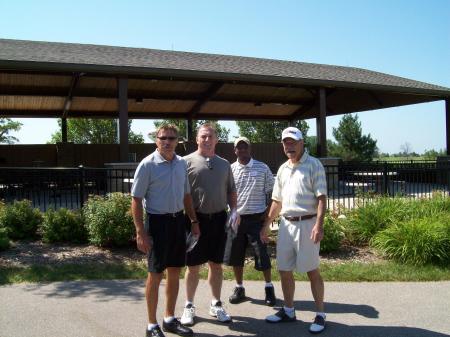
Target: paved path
[(117, 308)]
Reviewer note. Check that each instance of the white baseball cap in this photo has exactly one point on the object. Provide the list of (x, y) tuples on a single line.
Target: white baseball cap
[(291, 132), (241, 139)]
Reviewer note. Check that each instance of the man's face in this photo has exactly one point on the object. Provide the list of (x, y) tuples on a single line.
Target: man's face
[(242, 151), (206, 140), (166, 141), (293, 148)]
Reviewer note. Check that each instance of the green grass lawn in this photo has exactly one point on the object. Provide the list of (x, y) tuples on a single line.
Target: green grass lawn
[(339, 272)]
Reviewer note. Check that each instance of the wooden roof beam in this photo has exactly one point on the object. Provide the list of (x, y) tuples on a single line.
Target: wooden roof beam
[(212, 90)]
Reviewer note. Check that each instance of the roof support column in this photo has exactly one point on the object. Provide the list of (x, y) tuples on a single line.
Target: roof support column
[(122, 85), (447, 123), (321, 124), (64, 130), (190, 130)]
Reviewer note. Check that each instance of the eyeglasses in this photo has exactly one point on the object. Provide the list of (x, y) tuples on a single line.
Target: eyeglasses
[(209, 163), (167, 138)]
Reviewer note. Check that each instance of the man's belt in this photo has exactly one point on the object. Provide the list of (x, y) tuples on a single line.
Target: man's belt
[(300, 218), (171, 215), (210, 215)]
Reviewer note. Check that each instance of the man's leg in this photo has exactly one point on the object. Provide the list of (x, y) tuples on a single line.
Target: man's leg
[(317, 288), (215, 277), (172, 287), (288, 287), (268, 275), (151, 295), (238, 274), (192, 278)]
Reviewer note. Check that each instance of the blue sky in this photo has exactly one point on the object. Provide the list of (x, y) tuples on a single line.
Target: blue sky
[(407, 38)]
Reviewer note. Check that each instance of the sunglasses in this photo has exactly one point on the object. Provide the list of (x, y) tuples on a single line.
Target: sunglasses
[(209, 163), (167, 138)]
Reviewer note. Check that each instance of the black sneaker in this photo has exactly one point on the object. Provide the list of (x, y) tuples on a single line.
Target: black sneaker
[(270, 296), (238, 295), (280, 317), (177, 328), (318, 325), (155, 332)]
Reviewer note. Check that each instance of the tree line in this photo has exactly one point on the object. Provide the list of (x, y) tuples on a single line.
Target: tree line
[(350, 143)]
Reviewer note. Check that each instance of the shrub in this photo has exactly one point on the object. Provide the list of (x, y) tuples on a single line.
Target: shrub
[(4, 239), (21, 220), (333, 234), (108, 220), (417, 241), (63, 225), (364, 222)]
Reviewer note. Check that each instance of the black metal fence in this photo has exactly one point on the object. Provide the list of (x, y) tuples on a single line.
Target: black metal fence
[(348, 183)]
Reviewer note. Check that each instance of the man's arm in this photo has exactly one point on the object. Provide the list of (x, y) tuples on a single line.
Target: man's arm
[(275, 209), (142, 238), (234, 216), (190, 211), (317, 231)]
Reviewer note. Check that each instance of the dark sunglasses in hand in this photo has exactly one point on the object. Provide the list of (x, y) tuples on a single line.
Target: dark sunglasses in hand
[(209, 163), (167, 138)]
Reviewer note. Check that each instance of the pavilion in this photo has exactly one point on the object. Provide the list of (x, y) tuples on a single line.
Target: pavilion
[(65, 80)]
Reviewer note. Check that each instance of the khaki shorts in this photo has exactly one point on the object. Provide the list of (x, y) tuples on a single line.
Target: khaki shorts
[(295, 249)]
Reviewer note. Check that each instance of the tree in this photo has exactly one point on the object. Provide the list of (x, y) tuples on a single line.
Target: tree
[(6, 126), (351, 143), (405, 149), (94, 131), (268, 132), (222, 132)]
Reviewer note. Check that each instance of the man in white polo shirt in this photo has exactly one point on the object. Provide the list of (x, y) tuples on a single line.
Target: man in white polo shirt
[(254, 181), (299, 196)]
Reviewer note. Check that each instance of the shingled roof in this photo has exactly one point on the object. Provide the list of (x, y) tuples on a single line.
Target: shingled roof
[(172, 83)]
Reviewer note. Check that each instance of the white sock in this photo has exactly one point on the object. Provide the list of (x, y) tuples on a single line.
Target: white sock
[(214, 302), (321, 314), (289, 311), (269, 284), (169, 319), (239, 285), (188, 302), (151, 326)]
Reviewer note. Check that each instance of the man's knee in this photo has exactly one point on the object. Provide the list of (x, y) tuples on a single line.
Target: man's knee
[(314, 275)]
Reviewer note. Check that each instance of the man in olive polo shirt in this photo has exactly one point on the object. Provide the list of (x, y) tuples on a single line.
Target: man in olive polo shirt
[(161, 187)]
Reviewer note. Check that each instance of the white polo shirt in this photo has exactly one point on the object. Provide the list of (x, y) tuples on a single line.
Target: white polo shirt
[(297, 187)]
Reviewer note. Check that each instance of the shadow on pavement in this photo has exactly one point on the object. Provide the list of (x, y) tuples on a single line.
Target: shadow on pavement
[(249, 326), (104, 291)]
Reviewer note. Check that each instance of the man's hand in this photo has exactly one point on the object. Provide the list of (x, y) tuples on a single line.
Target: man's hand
[(317, 233), (264, 233), (235, 220), (195, 229), (143, 243)]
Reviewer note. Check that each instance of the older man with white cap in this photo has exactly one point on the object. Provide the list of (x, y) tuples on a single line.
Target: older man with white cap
[(254, 183), (299, 196)]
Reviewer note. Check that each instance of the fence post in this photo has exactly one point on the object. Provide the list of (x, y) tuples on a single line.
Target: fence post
[(81, 181), (385, 178)]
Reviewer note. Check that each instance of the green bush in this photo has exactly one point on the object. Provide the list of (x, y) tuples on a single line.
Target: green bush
[(333, 234), (365, 221), (108, 220), (417, 241), (21, 220), (63, 225), (4, 239)]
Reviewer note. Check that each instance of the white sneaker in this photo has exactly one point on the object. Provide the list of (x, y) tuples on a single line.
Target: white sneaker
[(219, 312), (188, 315)]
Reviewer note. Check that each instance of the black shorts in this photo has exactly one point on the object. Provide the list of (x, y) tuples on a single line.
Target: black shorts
[(248, 233), (168, 234), (211, 245)]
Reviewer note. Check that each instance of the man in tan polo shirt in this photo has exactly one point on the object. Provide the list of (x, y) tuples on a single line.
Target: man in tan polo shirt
[(299, 196)]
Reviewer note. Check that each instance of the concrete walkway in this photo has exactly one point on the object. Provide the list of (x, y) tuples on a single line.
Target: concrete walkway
[(117, 308)]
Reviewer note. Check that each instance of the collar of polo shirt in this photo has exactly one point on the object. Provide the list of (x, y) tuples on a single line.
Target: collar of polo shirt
[(249, 164), (302, 159), (160, 159)]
